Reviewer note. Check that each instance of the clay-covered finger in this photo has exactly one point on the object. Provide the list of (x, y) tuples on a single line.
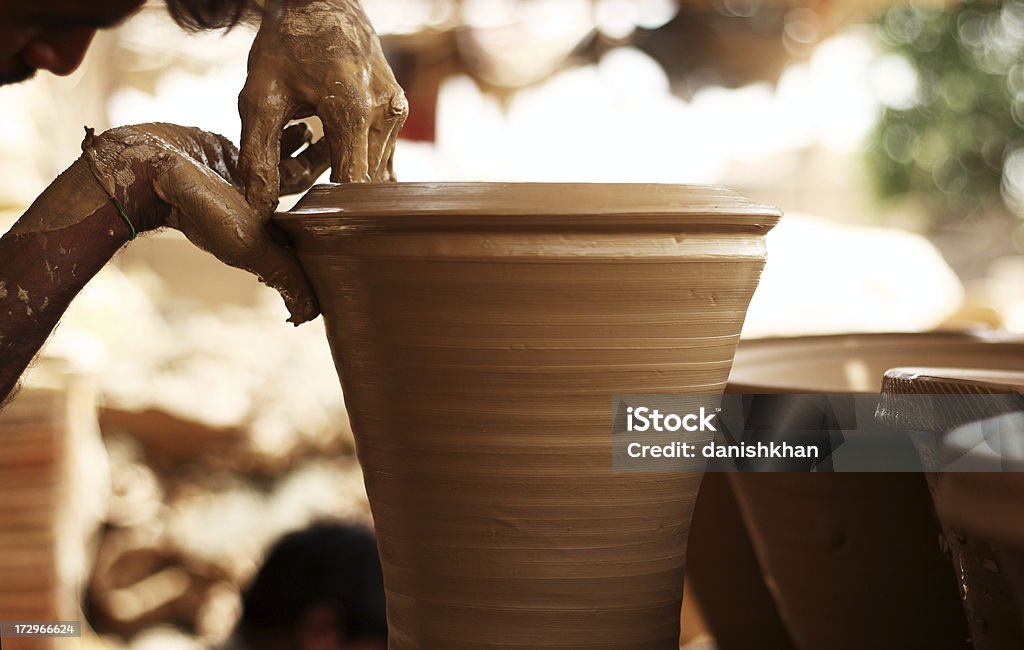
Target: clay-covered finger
[(263, 119), (280, 270), (346, 120), (377, 143), (359, 165), (214, 216), (390, 119)]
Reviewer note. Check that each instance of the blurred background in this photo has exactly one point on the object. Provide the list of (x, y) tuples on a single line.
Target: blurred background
[(186, 425)]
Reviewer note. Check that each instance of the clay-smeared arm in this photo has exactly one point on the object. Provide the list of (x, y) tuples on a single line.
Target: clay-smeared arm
[(162, 175), (40, 272), (318, 57)]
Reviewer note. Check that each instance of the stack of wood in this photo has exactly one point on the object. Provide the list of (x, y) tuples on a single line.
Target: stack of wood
[(42, 537), (31, 430)]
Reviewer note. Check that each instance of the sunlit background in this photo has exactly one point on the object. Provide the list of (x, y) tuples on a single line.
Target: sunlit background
[(892, 135)]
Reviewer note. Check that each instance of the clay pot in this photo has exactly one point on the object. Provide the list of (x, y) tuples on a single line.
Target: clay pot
[(987, 504), (977, 509), (480, 332), (725, 577), (852, 560)]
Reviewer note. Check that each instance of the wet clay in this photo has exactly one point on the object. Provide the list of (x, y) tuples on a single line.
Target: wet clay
[(318, 57), (970, 504), (480, 332), (854, 560)]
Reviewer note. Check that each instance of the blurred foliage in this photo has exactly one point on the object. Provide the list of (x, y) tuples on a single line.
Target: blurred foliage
[(957, 141)]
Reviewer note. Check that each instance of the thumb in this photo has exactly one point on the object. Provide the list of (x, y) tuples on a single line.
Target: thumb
[(278, 269), (215, 217)]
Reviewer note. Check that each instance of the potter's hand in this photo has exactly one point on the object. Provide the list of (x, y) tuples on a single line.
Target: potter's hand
[(157, 175), (318, 57), (188, 179)]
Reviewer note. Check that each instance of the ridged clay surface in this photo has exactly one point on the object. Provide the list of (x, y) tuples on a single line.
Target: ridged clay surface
[(480, 332)]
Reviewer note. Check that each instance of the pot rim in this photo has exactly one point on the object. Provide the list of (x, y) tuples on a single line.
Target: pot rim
[(512, 204), (756, 359)]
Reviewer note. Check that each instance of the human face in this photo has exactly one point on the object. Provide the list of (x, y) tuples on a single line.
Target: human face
[(52, 34)]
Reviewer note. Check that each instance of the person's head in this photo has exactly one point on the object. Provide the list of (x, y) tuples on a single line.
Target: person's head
[(318, 589), (55, 34)]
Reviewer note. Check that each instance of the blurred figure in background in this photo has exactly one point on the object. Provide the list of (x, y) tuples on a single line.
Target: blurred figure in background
[(319, 589)]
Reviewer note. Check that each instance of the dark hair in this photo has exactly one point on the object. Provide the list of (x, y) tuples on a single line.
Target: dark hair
[(199, 15), (328, 564)]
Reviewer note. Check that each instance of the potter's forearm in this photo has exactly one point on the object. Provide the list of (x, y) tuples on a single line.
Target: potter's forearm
[(40, 273)]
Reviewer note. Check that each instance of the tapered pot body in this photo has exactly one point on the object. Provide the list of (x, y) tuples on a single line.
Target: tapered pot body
[(480, 332)]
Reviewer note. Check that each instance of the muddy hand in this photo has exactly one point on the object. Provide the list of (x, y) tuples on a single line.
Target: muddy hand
[(214, 215), (188, 179), (318, 57)]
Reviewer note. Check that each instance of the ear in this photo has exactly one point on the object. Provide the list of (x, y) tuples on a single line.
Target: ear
[(318, 629)]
